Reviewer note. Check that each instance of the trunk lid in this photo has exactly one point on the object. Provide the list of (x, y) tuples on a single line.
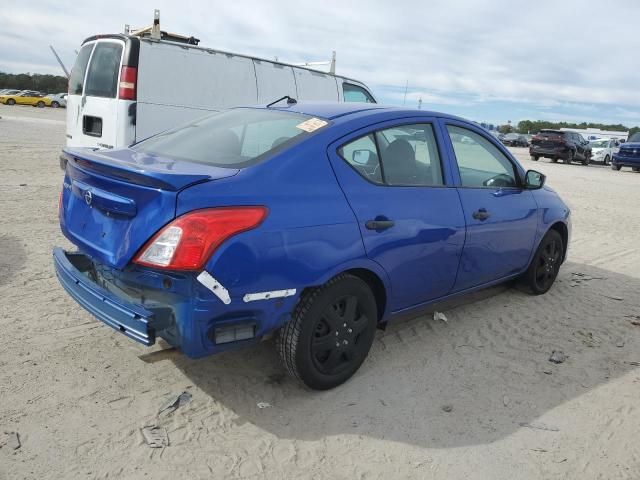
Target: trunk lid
[(114, 201)]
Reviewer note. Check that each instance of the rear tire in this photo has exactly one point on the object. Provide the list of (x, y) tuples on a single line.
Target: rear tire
[(615, 167), (545, 265), (40, 104), (587, 159), (570, 156), (535, 158), (11, 101), (554, 159), (607, 160), (330, 332), (55, 104)]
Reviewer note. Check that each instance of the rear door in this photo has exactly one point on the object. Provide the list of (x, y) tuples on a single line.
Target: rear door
[(410, 218), (92, 107), (501, 216)]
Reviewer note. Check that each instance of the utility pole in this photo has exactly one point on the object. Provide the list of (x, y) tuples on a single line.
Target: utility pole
[(66, 72), (406, 87)]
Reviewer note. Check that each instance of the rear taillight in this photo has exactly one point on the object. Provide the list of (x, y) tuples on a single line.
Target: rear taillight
[(128, 80), (189, 241)]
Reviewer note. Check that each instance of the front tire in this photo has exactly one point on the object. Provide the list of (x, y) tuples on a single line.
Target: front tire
[(11, 101), (55, 104), (330, 332), (587, 159), (607, 160), (535, 158), (40, 104), (544, 267), (615, 167)]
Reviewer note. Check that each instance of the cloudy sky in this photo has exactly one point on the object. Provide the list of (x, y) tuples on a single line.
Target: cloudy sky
[(486, 60)]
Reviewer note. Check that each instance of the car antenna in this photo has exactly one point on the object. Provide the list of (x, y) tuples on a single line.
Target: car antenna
[(290, 101)]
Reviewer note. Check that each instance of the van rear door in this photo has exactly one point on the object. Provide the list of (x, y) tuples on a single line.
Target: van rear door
[(95, 115)]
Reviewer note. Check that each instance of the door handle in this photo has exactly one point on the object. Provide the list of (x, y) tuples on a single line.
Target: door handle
[(379, 224), (481, 214)]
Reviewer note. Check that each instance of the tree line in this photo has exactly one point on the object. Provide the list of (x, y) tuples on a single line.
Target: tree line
[(534, 126), (27, 81)]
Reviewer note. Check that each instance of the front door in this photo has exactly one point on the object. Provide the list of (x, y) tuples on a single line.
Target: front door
[(410, 220), (500, 215)]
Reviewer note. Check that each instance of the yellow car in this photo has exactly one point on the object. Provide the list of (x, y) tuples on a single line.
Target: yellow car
[(26, 98)]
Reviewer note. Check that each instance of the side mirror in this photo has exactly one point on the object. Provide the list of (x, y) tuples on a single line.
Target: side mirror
[(361, 157), (534, 180)]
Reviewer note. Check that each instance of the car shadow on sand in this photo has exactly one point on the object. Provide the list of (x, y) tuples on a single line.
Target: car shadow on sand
[(12, 257), (489, 363)]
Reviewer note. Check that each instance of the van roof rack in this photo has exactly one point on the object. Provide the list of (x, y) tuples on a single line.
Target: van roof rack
[(154, 32)]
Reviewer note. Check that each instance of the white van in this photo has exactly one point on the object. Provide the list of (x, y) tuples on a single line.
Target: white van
[(124, 88)]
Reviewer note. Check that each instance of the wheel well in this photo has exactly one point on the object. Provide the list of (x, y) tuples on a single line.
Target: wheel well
[(561, 228), (376, 286)]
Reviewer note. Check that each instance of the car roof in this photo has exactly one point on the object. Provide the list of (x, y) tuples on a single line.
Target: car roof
[(332, 110)]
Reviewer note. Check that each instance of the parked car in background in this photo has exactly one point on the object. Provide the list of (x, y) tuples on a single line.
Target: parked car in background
[(26, 98), (515, 140), (628, 154), (602, 149), (58, 100), (557, 144), (322, 221), (10, 91)]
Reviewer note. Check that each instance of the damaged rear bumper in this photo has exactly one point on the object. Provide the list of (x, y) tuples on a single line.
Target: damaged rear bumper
[(128, 318)]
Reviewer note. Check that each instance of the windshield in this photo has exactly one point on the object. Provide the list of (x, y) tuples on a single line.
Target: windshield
[(233, 138), (600, 143)]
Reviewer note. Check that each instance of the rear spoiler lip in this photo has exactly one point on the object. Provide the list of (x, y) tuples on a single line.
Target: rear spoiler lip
[(90, 160)]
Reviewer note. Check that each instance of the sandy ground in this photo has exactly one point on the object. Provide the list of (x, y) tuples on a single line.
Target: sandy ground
[(78, 393)]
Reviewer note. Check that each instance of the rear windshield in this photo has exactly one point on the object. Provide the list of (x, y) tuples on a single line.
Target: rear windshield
[(550, 132), (79, 68), (102, 78), (233, 138)]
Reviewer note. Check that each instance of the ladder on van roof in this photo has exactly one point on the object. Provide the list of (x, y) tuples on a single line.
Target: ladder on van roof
[(153, 32)]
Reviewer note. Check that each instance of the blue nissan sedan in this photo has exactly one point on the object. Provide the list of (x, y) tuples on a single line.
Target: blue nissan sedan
[(321, 222)]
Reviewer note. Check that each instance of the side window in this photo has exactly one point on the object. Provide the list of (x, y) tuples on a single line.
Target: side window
[(353, 93), (409, 155), (362, 155), (102, 78), (480, 162), (79, 68)]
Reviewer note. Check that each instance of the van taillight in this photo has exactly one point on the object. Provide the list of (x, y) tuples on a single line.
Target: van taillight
[(127, 87)]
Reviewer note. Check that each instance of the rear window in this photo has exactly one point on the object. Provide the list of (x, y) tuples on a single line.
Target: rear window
[(79, 68), (551, 132), (233, 138), (102, 78), (635, 137)]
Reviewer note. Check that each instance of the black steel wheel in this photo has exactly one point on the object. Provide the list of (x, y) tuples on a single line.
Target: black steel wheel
[(330, 332), (544, 267)]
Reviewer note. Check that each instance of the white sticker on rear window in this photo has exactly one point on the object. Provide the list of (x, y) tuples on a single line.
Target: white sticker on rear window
[(311, 125)]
